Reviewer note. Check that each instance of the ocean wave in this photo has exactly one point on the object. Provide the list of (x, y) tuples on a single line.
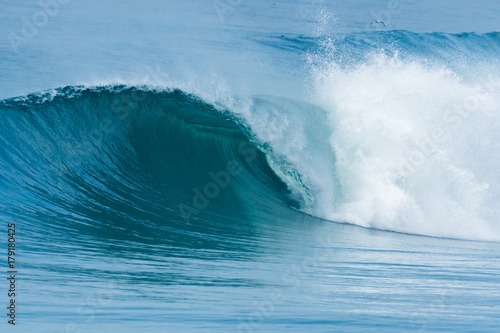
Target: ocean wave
[(387, 144), (103, 161)]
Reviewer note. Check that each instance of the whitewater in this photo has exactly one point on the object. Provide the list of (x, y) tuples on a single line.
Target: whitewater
[(251, 166)]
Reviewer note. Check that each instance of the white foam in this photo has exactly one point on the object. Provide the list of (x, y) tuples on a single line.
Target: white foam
[(416, 148)]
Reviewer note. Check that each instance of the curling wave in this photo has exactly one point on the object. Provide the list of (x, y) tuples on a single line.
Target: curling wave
[(373, 153), (104, 161)]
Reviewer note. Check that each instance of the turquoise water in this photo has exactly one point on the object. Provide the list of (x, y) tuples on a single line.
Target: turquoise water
[(251, 166)]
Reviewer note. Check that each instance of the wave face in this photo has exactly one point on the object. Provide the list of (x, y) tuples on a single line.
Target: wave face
[(389, 140), (102, 161)]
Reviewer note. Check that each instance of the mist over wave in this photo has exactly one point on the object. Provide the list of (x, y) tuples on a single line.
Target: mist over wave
[(416, 148), (411, 130)]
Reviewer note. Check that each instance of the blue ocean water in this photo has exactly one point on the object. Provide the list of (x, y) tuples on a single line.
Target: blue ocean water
[(251, 166)]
